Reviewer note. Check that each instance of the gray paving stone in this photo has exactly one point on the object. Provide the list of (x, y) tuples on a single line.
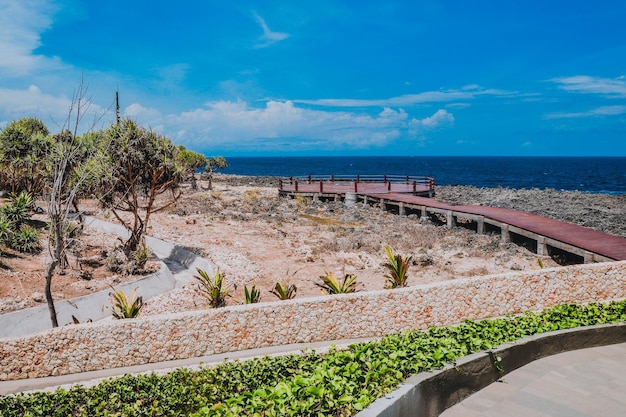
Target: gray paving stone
[(583, 383)]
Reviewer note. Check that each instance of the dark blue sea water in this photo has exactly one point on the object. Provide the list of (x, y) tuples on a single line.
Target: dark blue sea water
[(591, 174)]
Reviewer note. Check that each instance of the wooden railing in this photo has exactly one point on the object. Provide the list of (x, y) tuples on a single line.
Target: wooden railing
[(353, 183)]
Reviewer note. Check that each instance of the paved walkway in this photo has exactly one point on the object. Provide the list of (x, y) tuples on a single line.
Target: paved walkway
[(581, 383)]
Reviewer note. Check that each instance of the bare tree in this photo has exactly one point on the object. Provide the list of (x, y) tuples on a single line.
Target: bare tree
[(72, 167)]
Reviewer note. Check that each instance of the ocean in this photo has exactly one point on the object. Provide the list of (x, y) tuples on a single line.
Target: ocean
[(588, 174)]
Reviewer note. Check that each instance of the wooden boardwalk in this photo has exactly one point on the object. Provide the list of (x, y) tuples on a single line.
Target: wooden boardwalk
[(412, 194), (591, 245)]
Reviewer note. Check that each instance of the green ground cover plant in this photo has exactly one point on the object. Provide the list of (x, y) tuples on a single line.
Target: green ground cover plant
[(338, 383)]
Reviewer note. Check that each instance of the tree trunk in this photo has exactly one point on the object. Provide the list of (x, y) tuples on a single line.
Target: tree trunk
[(51, 308)]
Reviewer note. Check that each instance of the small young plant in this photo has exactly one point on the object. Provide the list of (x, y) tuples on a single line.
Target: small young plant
[(397, 267), (332, 285), (213, 289), (123, 307), (284, 290), (253, 295)]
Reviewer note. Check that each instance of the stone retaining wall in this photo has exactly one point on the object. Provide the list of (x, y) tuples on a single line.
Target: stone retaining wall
[(87, 347)]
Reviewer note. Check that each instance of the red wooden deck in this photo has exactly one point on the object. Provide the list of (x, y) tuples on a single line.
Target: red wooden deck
[(610, 246)]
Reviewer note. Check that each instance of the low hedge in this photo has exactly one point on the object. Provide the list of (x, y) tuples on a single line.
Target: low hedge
[(338, 383)]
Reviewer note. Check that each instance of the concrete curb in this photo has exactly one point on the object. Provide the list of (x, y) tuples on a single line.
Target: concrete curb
[(175, 257), (429, 394), (93, 306)]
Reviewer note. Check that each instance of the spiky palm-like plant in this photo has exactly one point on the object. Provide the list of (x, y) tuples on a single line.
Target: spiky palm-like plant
[(123, 307), (17, 211), (213, 289), (253, 295), (332, 285), (397, 267), (284, 290), (26, 240)]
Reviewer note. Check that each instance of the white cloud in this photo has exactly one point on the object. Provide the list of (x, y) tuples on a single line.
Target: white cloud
[(468, 93), (21, 23), (613, 87), (440, 117), (32, 102), (269, 37), (17, 103), (598, 112), (238, 127)]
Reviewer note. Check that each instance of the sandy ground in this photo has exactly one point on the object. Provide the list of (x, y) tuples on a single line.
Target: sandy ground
[(254, 236)]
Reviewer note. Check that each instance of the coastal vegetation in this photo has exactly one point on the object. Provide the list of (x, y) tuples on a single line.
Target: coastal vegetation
[(337, 383), (128, 169)]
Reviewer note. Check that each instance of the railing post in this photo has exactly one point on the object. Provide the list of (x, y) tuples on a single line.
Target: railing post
[(358, 178), (332, 178), (385, 178), (309, 179), (432, 184), (321, 186), (407, 179), (355, 186), (280, 184), (296, 186), (414, 186), (389, 186), (290, 180)]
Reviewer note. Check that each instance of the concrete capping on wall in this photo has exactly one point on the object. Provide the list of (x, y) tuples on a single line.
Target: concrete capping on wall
[(110, 344), (428, 394), (93, 306)]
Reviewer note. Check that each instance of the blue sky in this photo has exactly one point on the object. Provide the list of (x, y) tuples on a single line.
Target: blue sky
[(328, 77)]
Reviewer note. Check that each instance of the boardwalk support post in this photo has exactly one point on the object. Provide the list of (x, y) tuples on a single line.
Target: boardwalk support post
[(589, 257), (504, 233), (480, 225), (401, 210), (450, 219), (542, 248)]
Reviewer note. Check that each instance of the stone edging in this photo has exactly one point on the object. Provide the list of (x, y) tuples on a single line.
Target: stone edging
[(429, 394), (120, 343)]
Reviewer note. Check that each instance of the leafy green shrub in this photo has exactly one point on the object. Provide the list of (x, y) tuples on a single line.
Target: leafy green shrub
[(332, 285), (25, 240), (398, 267), (253, 295), (338, 383), (214, 289), (123, 307)]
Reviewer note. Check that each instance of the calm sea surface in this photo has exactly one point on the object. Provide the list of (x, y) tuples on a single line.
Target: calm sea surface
[(591, 174)]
